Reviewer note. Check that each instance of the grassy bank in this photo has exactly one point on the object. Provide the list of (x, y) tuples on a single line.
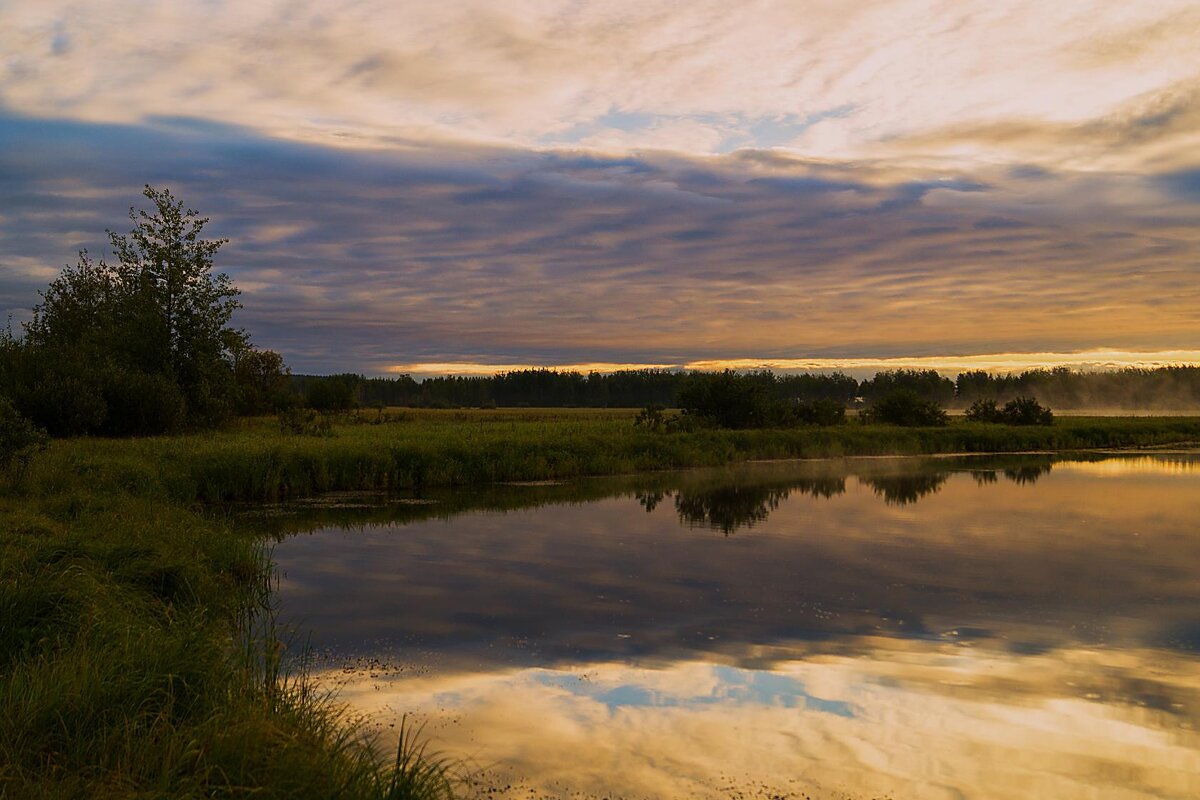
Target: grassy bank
[(136, 660), (132, 659), (417, 449)]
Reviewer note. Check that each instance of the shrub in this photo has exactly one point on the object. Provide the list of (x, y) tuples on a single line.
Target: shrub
[(906, 408), (1026, 411), (819, 412), (19, 438), (305, 421), (62, 396), (651, 417), (141, 404), (984, 411), (729, 400), (655, 419)]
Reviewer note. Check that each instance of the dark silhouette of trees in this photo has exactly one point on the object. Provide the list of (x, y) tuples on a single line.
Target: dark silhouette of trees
[(926, 384), (1163, 388), (905, 407), (729, 400), (984, 411), (1020, 411), (262, 382), (1026, 411), (143, 345), (334, 393)]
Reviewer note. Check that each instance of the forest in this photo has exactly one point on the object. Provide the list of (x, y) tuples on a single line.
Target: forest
[(1173, 388)]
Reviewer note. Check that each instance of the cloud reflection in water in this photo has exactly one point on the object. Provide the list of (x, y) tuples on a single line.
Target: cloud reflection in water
[(985, 628)]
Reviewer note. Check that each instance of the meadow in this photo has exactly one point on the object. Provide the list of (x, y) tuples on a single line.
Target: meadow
[(137, 655)]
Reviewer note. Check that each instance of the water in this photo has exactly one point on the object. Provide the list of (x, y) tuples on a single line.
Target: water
[(1024, 627)]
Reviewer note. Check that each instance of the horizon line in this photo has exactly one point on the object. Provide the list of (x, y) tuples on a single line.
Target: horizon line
[(1097, 360)]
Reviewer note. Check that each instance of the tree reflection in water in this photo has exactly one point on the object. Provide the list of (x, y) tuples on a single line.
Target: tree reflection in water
[(729, 507), (900, 490)]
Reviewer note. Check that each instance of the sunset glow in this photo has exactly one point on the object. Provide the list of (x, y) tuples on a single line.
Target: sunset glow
[(950, 365)]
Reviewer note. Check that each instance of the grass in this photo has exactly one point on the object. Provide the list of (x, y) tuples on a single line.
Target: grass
[(422, 449), (137, 658)]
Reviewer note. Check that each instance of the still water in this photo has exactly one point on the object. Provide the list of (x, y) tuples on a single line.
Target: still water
[(1016, 627)]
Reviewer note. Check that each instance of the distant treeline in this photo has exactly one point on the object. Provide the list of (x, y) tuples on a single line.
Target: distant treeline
[(1165, 388)]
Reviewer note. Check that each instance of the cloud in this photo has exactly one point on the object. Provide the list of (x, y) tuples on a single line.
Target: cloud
[(904, 719), (366, 259), (828, 80)]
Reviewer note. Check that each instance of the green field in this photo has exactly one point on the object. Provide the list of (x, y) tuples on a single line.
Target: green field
[(134, 657)]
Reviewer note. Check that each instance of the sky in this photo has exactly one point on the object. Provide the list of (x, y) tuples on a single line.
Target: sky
[(463, 186)]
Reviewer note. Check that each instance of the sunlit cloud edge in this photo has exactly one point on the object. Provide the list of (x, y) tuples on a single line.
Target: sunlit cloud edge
[(1098, 360)]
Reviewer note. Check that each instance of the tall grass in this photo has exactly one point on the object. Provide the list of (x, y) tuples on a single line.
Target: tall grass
[(137, 657), (416, 450)]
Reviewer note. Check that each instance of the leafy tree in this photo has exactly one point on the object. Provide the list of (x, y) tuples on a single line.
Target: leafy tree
[(819, 412), (925, 383), (984, 411), (333, 393), (262, 382), (19, 438), (178, 311), (907, 408), (1026, 411), (140, 346), (728, 400)]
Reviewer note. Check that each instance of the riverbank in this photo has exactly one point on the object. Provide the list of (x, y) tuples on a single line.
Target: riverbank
[(414, 449), (133, 661)]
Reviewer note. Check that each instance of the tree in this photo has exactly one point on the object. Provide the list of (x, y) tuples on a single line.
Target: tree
[(139, 346), (984, 410), (1026, 411), (263, 382), (905, 407), (728, 400), (178, 311)]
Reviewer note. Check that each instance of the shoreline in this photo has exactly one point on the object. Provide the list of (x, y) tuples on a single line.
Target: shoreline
[(134, 651)]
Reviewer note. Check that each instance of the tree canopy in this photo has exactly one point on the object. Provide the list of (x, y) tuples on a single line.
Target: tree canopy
[(142, 345)]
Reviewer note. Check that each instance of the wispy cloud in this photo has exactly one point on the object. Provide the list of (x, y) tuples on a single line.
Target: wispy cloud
[(369, 259), (630, 182), (828, 79)]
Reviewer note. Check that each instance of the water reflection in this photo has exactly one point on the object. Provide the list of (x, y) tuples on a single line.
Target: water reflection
[(900, 490), (958, 627), (899, 719), (725, 499)]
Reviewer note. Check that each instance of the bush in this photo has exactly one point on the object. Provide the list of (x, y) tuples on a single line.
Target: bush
[(305, 421), (984, 411), (262, 382), (1026, 411), (729, 400), (19, 438), (906, 408), (140, 404), (651, 417), (1021, 411), (819, 412), (64, 399), (655, 419)]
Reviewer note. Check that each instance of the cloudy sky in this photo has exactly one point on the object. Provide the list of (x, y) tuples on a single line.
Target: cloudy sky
[(464, 185)]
